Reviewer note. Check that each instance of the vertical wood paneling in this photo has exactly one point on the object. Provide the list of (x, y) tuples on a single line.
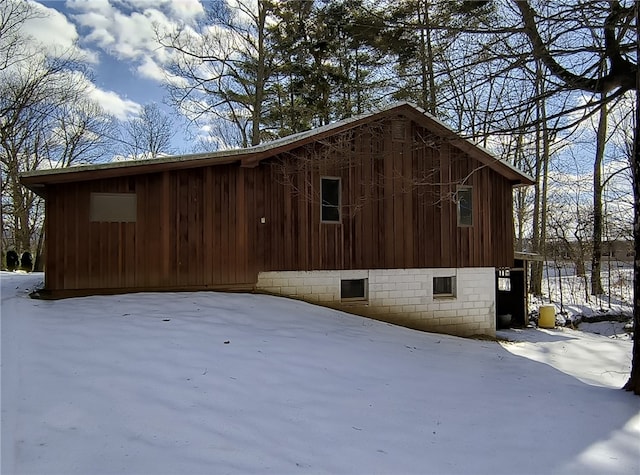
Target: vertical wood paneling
[(207, 225), (226, 223), (242, 239), (56, 221), (387, 218), (215, 238), (445, 210), (182, 230), (154, 246), (201, 227), (189, 209), (306, 226), (407, 198), (173, 229), (169, 241), (366, 226), (260, 238), (397, 237), (253, 225), (379, 227), (233, 266), (50, 281)]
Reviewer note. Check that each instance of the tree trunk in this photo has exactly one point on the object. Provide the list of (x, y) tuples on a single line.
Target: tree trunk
[(3, 263), (542, 168), (634, 379), (21, 211), (260, 76), (426, 58), (535, 280), (596, 254), (38, 265)]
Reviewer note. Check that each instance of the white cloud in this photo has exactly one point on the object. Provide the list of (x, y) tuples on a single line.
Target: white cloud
[(100, 25), (113, 104), (123, 36), (110, 101), (126, 29), (186, 10), (102, 7), (152, 70), (51, 32), (183, 10)]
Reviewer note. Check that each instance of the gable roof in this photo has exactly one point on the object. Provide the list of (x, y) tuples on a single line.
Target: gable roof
[(251, 157)]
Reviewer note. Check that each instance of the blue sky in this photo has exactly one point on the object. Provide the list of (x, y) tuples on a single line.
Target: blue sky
[(116, 40)]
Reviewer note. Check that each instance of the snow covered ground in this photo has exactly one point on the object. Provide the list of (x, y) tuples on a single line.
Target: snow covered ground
[(216, 383)]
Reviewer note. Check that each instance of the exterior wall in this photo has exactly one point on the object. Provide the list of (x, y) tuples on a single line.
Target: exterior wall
[(219, 226), (398, 210), (400, 296), (190, 233)]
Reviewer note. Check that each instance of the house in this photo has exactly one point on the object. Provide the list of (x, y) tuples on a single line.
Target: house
[(614, 250), (389, 215)]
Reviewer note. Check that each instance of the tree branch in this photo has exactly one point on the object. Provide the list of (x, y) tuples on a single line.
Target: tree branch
[(622, 72)]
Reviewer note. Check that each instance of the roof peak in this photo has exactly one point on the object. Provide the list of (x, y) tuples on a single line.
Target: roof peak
[(251, 156)]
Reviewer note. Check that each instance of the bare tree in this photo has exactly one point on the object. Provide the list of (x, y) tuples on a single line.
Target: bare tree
[(148, 135), (220, 70), (45, 120), (609, 70), (29, 96), (596, 255), (13, 13)]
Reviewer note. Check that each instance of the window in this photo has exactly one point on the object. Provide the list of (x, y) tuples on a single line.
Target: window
[(330, 200), (113, 207), (353, 289), (444, 287), (399, 129), (504, 280), (465, 206)]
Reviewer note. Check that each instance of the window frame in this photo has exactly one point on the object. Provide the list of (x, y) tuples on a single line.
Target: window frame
[(467, 190), (337, 207), (444, 295), (365, 291), (504, 279)]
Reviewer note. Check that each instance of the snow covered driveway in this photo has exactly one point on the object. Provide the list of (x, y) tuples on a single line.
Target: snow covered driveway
[(214, 383)]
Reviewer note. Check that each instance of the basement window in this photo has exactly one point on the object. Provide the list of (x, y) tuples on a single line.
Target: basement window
[(330, 200), (464, 201), (113, 207), (444, 287), (354, 289)]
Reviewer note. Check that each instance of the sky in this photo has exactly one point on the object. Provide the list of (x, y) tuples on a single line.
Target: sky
[(211, 382), (115, 38)]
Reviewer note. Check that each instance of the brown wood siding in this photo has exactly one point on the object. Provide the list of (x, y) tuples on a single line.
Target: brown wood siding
[(389, 220), (202, 227), (187, 233)]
